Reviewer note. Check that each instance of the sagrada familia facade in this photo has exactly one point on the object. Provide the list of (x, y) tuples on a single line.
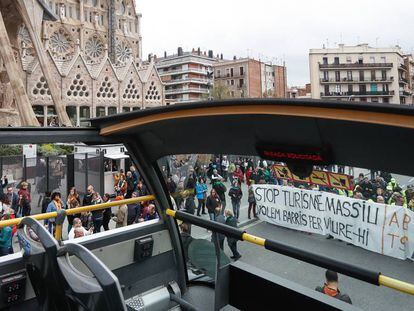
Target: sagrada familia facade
[(65, 61)]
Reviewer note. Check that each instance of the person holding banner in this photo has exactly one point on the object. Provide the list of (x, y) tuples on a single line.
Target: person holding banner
[(330, 288)]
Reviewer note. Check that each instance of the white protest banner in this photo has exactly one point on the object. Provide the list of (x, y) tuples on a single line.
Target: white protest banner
[(385, 229)]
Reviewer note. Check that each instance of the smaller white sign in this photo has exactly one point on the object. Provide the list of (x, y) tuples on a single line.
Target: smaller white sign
[(30, 151)]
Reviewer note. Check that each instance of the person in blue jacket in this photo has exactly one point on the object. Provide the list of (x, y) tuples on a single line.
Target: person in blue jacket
[(6, 238), (201, 194)]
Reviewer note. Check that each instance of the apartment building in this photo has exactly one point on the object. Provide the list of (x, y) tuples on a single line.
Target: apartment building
[(361, 73), (187, 76), (300, 92), (247, 77)]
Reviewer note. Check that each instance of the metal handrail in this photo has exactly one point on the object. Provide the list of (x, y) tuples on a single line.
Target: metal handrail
[(77, 210), (356, 272)]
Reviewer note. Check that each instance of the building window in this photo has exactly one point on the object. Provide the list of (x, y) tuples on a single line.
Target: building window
[(383, 59), (126, 109), (135, 108), (372, 59), (349, 75), (374, 99), (326, 89), (326, 76), (228, 72), (232, 93), (373, 75), (360, 59), (349, 59), (218, 73), (73, 116), (338, 89), (40, 114), (241, 71), (374, 87), (70, 12), (336, 60), (100, 111), (231, 72), (350, 89), (384, 75), (337, 76), (228, 82), (385, 100), (241, 83), (84, 115), (361, 75), (325, 60), (112, 110), (363, 99), (232, 82), (363, 89)]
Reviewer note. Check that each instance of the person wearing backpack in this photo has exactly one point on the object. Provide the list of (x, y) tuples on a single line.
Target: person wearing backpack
[(221, 192)]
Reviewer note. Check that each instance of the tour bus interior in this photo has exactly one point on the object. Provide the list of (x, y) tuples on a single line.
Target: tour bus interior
[(148, 266)]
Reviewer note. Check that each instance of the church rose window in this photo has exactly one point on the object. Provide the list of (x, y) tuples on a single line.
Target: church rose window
[(94, 49), (123, 52), (61, 45)]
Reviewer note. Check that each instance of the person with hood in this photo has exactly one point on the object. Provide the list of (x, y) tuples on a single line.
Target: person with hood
[(221, 192), (394, 185), (121, 216), (130, 185), (236, 195), (330, 287)]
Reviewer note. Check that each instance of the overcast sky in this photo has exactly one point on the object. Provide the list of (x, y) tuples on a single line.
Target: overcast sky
[(274, 30)]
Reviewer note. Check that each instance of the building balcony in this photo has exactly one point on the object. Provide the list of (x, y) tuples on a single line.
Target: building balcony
[(358, 94), (403, 80), (356, 81), (183, 71), (188, 80), (355, 66), (405, 93), (228, 76), (186, 91)]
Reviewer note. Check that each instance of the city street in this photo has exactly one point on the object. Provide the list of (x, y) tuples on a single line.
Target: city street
[(363, 295)]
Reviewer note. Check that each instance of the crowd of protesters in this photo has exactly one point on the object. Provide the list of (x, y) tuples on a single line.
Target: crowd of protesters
[(16, 202)]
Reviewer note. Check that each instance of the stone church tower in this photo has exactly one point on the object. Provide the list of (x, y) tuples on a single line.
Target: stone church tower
[(69, 60)]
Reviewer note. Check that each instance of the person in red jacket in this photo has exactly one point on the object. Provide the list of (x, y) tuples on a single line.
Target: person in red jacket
[(238, 173)]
